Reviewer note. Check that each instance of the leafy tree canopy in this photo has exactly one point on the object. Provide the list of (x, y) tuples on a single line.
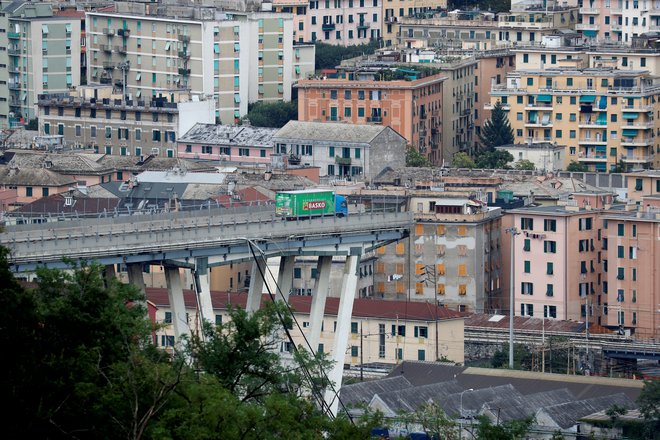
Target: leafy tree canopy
[(649, 405), (510, 430), (416, 159), (272, 114), (462, 160), (497, 130), (576, 166), (329, 56), (497, 159), (525, 164), (483, 5)]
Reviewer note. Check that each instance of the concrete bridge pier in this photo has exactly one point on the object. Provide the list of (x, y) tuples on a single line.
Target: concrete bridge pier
[(203, 290), (177, 304), (317, 310), (136, 278), (344, 314), (256, 285), (285, 277), (109, 273)]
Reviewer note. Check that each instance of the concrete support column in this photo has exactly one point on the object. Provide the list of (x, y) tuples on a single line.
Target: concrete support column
[(317, 310), (285, 277), (256, 286), (344, 314), (177, 305), (136, 278), (109, 273), (203, 290)]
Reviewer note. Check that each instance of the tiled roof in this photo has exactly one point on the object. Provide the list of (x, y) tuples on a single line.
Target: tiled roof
[(566, 415), (33, 177), (330, 131), (363, 392), (367, 308), (521, 406), (232, 135), (58, 162), (55, 204), (410, 399), (531, 323)]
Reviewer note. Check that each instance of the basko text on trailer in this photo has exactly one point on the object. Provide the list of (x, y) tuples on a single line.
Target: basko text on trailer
[(310, 203)]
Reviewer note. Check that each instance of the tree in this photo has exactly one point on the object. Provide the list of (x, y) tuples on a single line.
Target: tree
[(511, 430), (416, 159), (522, 358), (576, 167), (497, 159), (272, 114), (462, 160), (524, 164), (329, 56), (33, 124), (433, 421), (648, 402), (497, 130)]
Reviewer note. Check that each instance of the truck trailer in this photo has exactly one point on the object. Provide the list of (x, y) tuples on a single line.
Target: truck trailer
[(310, 203)]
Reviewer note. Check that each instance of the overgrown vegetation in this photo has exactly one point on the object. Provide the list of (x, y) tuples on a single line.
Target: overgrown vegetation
[(416, 159), (272, 114), (482, 5), (329, 56)]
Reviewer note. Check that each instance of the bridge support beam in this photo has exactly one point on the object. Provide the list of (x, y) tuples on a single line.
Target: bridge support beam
[(285, 277), (177, 305), (349, 284), (256, 285), (203, 290), (136, 278), (317, 310)]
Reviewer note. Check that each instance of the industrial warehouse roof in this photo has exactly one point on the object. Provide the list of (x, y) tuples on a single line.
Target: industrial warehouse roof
[(516, 407), (367, 308), (409, 399), (363, 392), (330, 132), (232, 135), (566, 414)]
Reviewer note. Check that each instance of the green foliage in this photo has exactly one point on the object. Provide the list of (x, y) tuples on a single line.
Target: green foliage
[(576, 167), (522, 358), (496, 159), (329, 56), (462, 160), (433, 420), (33, 124), (525, 164), (272, 114), (416, 159), (648, 402), (83, 366), (482, 5), (511, 430), (497, 130)]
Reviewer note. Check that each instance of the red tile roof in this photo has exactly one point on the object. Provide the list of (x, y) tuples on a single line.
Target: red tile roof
[(532, 324), (364, 308)]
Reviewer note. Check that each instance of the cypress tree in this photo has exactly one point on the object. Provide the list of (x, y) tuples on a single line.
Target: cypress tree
[(497, 130)]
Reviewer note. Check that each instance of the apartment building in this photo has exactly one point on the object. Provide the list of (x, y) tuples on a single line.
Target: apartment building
[(395, 11), (618, 20), (452, 257), (356, 151), (556, 261), (227, 143), (4, 73), (484, 30), (93, 117), (407, 99), (546, 156), (643, 184), (493, 66), (381, 331), (235, 57), (604, 116), (631, 247), (43, 52)]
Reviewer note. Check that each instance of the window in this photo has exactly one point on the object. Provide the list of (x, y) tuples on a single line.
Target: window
[(421, 332), (585, 224), (297, 273), (550, 225), (619, 228), (168, 317), (527, 245), (549, 311), (527, 288), (550, 268), (354, 351), (526, 223), (354, 327), (528, 266), (620, 273), (550, 247), (398, 330), (620, 252)]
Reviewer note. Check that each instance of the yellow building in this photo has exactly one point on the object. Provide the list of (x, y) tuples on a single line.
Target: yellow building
[(605, 117)]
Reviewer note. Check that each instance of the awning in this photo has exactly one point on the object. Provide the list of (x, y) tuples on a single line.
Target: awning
[(630, 115), (601, 167), (544, 98), (602, 104), (590, 34), (588, 98), (629, 132), (602, 119)]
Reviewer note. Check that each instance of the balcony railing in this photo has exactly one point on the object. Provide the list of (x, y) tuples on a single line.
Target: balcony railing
[(184, 38), (636, 141), (124, 33), (342, 160), (109, 32), (328, 27), (375, 119), (106, 48), (589, 11), (587, 27), (637, 159), (13, 35)]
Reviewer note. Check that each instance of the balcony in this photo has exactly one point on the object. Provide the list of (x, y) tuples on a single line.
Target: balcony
[(588, 11), (539, 106), (635, 142), (535, 140), (587, 27), (124, 33), (14, 51), (184, 72), (592, 157), (490, 106), (636, 159), (638, 125), (108, 65), (616, 11), (14, 85), (13, 35), (105, 80), (592, 123), (342, 160), (184, 38), (615, 27), (121, 49), (106, 48), (362, 26), (593, 141), (109, 32), (184, 54), (538, 123), (375, 119), (637, 108), (328, 27)]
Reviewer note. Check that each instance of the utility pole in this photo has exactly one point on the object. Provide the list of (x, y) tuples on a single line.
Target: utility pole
[(513, 231), (361, 355)]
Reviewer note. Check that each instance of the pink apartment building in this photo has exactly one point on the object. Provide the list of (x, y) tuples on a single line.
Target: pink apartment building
[(631, 264), (227, 143), (557, 270)]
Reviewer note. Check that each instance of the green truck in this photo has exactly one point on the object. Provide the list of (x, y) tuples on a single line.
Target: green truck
[(310, 203)]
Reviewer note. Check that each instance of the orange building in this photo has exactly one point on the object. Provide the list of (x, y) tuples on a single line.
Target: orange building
[(410, 107)]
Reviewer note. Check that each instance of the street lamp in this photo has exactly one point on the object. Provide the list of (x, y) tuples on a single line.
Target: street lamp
[(460, 432), (513, 231)]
